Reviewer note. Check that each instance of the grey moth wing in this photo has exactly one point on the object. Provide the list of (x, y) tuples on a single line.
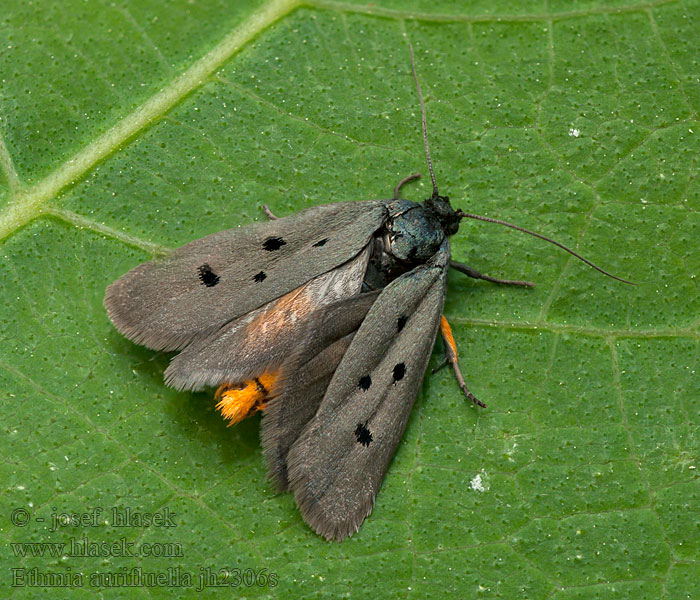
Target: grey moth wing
[(337, 464), (262, 341), (327, 338), (169, 302)]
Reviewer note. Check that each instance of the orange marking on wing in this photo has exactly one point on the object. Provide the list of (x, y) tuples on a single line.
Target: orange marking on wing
[(283, 313), (446, 331), (236, 401)]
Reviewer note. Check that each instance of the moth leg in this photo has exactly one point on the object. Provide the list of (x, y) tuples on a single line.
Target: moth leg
[(400, 183), (268, 212), (462, 268), (451, 357)]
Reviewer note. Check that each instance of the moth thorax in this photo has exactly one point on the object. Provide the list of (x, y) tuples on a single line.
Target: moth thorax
[(415, 235)]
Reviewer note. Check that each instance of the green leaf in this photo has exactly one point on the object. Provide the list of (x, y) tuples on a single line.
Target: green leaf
[(130, 127)]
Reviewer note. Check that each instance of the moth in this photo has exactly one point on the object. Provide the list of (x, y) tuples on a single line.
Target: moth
[(324, 320)]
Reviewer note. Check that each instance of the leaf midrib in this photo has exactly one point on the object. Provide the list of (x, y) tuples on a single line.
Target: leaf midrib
[(28, 203)]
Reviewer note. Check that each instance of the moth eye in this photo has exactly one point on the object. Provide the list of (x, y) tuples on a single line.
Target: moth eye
[(259, 276), (208, 277), (365, 382), (363, 435), (401, 322), (320, 243), (273, 243), (399, 372)]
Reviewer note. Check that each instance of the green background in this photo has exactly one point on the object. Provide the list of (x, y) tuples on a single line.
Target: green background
[(131, 127)]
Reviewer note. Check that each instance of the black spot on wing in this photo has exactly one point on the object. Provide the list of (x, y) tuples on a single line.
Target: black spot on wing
[(401, 322), (259, 276), (399, 372), (320, 243), (363, 435), (273, 243), (207, 276), (365, 382)]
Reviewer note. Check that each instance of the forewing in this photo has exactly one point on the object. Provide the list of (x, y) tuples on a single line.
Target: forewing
[(336, 466), (167, 303), (261, 341)]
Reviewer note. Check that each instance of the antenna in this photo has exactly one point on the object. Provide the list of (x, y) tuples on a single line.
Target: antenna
[(463, 214), (425, 127)]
